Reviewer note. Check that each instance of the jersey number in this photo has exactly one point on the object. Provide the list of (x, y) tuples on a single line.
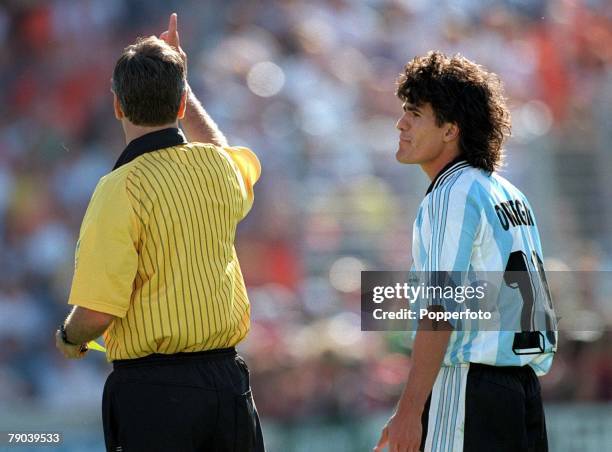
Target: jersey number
[(528, 276)]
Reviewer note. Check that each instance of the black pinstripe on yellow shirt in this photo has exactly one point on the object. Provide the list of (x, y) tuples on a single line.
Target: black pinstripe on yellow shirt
[(156, 249)]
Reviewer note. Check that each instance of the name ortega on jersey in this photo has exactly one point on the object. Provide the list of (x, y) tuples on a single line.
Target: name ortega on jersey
[(513, 213)]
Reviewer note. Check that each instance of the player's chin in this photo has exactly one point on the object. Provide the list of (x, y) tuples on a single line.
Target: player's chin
[(403, 156)]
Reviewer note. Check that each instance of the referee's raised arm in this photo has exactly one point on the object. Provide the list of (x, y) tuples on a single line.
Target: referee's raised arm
[(196, 122)]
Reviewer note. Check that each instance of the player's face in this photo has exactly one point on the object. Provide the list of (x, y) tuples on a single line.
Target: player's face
[(421, 139)]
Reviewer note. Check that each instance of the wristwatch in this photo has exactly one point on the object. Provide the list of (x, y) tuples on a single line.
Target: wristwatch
[(65, 340)]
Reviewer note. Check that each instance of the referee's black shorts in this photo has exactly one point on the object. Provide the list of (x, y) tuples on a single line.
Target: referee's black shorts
[(184, 402), (483, 408)]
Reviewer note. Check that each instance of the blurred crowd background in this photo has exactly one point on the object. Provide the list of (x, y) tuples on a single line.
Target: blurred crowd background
[(310, 87)]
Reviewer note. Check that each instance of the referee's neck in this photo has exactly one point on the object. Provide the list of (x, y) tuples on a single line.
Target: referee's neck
[(133, 131)]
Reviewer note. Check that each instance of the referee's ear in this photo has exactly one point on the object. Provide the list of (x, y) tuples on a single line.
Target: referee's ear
[(117, 106), (182, 106)]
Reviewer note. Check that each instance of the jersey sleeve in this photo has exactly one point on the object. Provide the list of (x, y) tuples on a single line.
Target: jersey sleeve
[(106, 257), (454, 219), (250, 169)]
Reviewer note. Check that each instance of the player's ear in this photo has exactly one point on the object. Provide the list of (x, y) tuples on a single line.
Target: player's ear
[(451, 131), (117, 107), (182, 106)]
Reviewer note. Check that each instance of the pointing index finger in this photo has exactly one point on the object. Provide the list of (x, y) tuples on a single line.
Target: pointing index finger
[(173, 24)]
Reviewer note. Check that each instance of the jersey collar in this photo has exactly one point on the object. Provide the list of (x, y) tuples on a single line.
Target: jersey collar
[(450, 167), (150, 142)]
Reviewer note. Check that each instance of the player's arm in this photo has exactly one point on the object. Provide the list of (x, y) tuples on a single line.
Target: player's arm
[(450, 248), (197, 123), (404, 428), (428, 351)]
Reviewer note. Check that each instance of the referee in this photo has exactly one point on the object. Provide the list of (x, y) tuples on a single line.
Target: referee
[(156, 270)]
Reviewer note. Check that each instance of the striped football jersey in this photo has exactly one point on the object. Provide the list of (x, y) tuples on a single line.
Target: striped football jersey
[(476, 222)]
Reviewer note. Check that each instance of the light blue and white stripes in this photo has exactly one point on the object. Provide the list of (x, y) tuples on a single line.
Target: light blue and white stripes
[(438, 213), (446, 422), (461, 227)]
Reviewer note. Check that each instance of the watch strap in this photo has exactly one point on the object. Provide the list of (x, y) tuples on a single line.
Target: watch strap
[(64, 336)]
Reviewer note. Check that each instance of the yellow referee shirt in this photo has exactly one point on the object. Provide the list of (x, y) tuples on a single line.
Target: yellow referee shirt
[(156, 247)]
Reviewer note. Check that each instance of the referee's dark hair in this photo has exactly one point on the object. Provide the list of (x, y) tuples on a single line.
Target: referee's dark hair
[(149, 80), (461, 92)]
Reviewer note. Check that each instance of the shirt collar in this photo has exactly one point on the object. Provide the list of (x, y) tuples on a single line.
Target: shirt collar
[(150, 142), (451, 166)]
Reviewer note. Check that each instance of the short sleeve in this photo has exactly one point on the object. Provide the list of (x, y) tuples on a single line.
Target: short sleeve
[(249, 168), (106, 257), (455, 221)]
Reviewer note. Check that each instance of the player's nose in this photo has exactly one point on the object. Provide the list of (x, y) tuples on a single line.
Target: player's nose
[(402, 123)]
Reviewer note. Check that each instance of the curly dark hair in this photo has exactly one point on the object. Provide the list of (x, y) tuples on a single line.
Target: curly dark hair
[(461, 92)]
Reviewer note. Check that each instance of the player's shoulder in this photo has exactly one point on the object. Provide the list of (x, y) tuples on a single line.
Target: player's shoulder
[(487, 187), (500, 183), (460, 179)]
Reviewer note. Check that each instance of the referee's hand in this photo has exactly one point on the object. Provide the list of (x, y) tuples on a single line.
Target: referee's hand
[(402, 433), (171, 36), (70, 351)]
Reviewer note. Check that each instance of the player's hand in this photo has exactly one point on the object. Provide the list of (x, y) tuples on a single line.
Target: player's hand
[(402, 433), (70, 351), (171, 36)]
